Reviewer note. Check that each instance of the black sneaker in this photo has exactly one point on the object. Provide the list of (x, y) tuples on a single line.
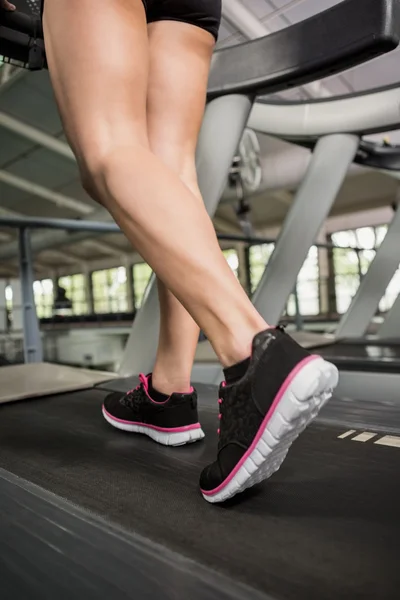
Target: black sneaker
[(173, 423), (264, 412)]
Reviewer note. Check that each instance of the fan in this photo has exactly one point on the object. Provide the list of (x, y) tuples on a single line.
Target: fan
[(246, 176), (250, 163)]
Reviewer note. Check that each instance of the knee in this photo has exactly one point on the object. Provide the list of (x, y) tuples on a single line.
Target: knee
[(92, 161), (89, 181), (101, 165)]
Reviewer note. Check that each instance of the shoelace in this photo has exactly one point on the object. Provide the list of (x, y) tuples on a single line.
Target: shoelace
[(142, 381), (220, 401), (128, 396)]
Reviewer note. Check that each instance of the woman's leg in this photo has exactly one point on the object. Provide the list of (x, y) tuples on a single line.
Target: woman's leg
[(98, 61), (98, 57), (175, 107)]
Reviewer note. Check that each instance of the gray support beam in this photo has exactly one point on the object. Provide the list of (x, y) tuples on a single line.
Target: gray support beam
[(63, 224), (223, 125), (390, 327), (327, 170), (44, 241), (14, 74), (373, 286), (3, 306), (87, 273), (323, 274), (297, 317), (33, 351), (36, 136), (244, 267), (130, 300), (40, 191), (53, 239)]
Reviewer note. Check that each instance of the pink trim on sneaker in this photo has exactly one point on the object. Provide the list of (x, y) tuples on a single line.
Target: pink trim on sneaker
[(144, 380), (164, 429), (264, 424)]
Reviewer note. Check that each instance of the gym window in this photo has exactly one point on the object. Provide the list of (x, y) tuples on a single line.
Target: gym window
[(307, 282), (141, 276), (355, 251), (307, 287), (44, 298), (259, 257), (110, 291), (232, 259), (75, 289), (9, 298)]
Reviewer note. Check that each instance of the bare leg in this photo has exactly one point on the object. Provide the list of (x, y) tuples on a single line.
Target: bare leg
[(101, 89), (175, 108)]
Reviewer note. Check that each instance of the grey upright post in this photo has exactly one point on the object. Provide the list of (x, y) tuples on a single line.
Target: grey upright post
[(224, 122), (390, 327), (298, 317), (33, 351), (328, 168), (3, 306), (363, 307)]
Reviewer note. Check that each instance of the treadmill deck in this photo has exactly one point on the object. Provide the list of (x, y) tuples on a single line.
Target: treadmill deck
[(363, 355), (325, 526)]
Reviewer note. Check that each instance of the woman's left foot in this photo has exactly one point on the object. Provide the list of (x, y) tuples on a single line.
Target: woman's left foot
[(264, 412), (173, 422)]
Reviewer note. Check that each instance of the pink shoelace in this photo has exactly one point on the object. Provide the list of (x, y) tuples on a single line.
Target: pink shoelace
[(142, 381)]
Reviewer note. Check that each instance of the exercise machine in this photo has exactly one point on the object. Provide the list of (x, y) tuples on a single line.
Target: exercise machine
[(369, 366)]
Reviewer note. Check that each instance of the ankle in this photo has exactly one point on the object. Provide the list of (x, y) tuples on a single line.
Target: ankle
[(237, 346), (168, 383)]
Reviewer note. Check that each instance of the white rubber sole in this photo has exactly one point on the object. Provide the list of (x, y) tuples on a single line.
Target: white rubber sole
[(306, 394), (167, 438)]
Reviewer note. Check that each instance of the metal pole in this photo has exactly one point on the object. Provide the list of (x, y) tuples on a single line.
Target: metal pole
[(64, 224), (95, 226), (373, 285), (33, 351), (35, 189), (360, 273), (298, 317), (390, 327), (35, 135), (331, 283), (247, 267), (3, 306), (328, 168)]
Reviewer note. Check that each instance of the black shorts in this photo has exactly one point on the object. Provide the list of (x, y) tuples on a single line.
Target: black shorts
[(203, 13)]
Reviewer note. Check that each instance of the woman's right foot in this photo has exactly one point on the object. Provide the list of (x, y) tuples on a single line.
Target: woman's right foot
[(173, 422), (262, 413)]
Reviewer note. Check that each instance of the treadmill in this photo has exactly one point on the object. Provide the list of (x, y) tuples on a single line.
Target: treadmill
[(369, 364), (90, 512)]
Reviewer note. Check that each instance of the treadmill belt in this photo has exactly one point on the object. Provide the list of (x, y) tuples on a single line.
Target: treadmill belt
[(367, 356), (325, 526)]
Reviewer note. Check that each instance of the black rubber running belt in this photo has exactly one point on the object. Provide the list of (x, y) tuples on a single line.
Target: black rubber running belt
[(371, 357), (325, 527)]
